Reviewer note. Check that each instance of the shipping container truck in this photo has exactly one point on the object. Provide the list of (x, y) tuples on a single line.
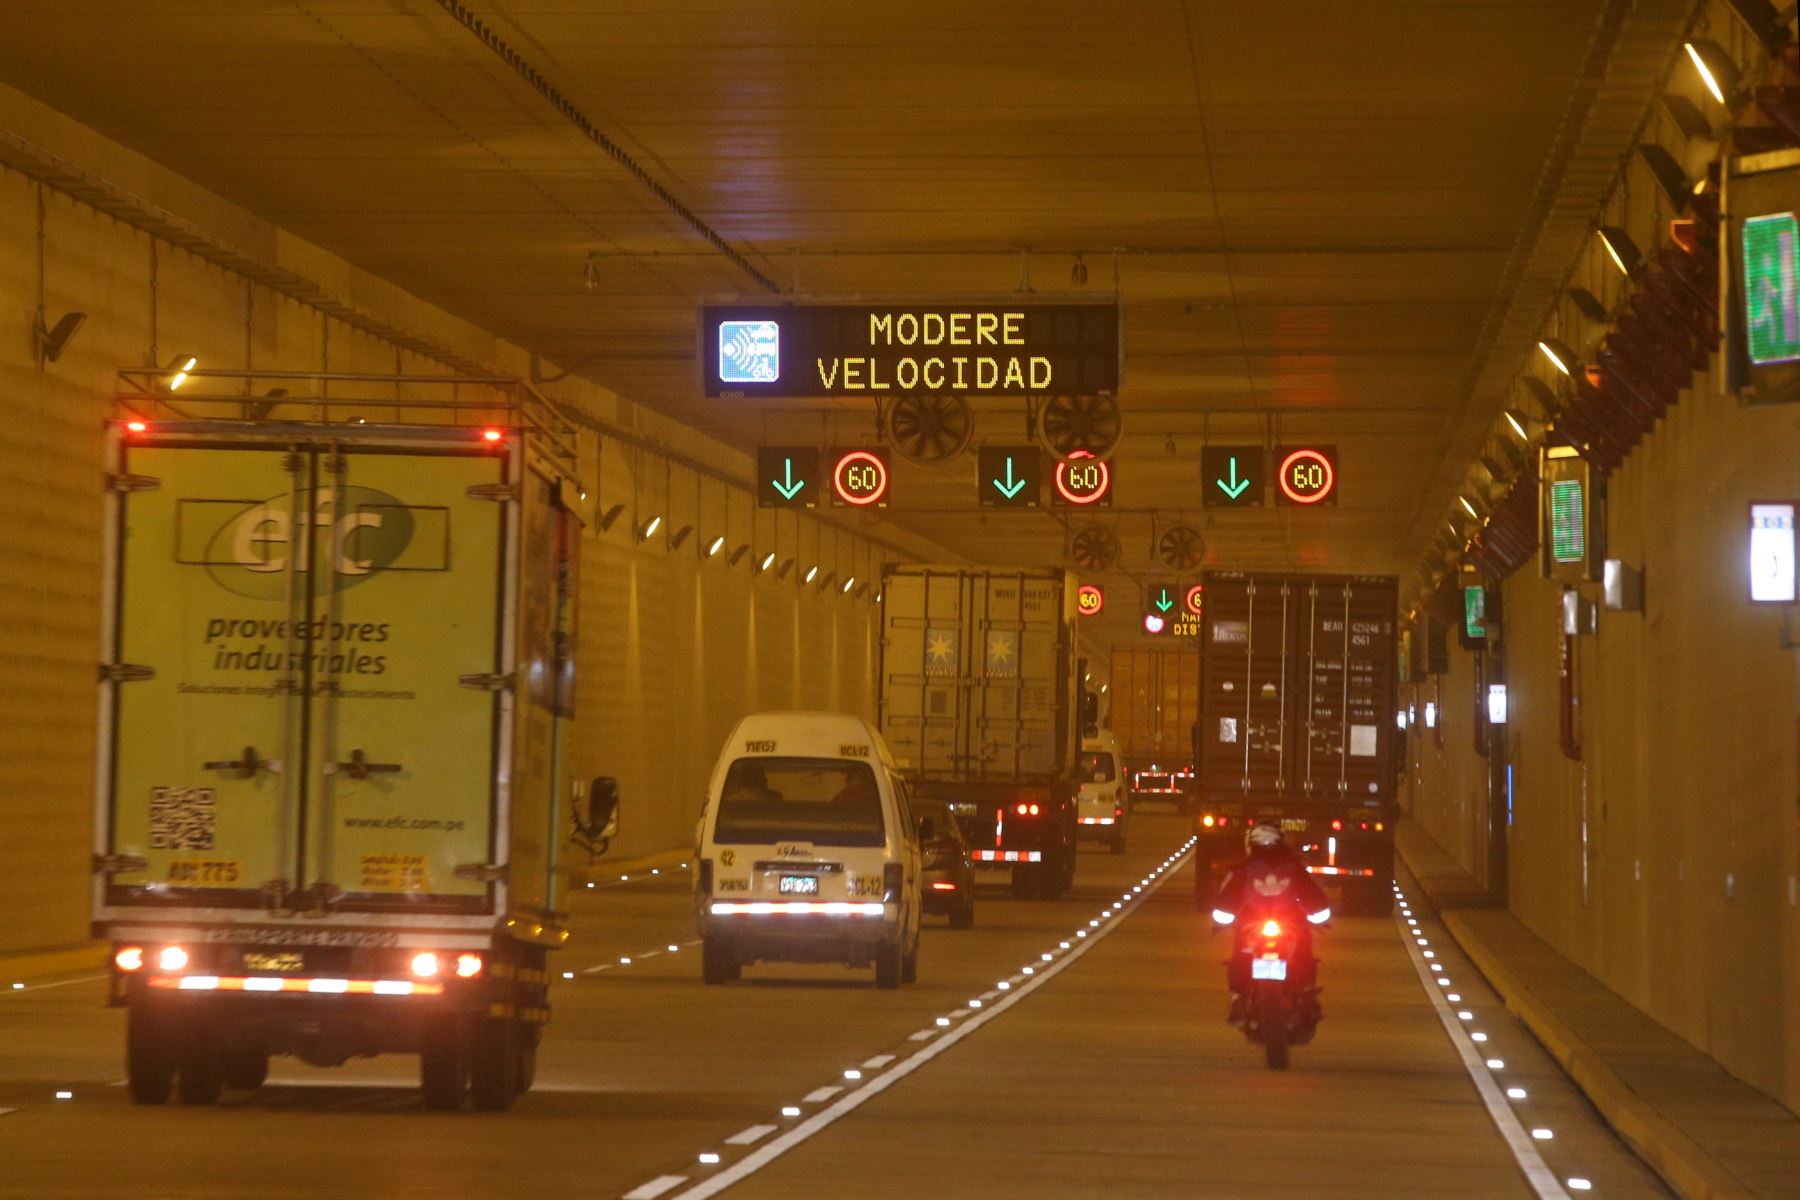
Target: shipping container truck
[(981, 704), (336, 681), (1297, 723), (1155, 705)]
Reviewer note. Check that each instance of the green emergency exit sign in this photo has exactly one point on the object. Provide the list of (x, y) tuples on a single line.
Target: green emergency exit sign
[(1568, 525), (1474, 612), (1772, 288)]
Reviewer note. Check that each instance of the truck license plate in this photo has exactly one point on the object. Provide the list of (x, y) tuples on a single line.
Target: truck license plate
[(1293, 824), (279, 963), (798, 885), (1268, 968)]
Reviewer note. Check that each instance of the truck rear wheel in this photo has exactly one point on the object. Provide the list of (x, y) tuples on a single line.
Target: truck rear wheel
[(717, 963), (149, 1057), (443, 1063), (245, 1070), (494, 1063), (1028, 882), (200, 1078)]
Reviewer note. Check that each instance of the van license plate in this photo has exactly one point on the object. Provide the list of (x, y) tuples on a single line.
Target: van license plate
[(799, 885), (1268, 968)]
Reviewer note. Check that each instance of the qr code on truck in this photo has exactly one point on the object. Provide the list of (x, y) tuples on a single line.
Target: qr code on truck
[(181, 818)]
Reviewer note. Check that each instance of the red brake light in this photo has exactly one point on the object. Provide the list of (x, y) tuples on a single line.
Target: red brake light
[(425, 964), (1336, 825), (1023, 811), (468, 966), (129, 959), (490, 435), (136, 426), (1271, 929), (1208, 821), (171, 958), (1365, 826), (1034, 810)]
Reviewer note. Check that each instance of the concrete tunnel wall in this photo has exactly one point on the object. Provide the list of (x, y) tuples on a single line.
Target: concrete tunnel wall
[(1664, 860), (672, 649)]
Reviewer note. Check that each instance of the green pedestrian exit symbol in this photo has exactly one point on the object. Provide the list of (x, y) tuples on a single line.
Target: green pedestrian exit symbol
[(1772, 288)]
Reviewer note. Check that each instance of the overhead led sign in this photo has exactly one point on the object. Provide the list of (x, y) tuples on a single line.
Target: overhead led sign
[(1306, 475), (1772, 553), (1003, 348), (1082, 481), (1231, 476), (859, 478), (1007, 476), (787, 477), (1089, 600), (1194, 599)]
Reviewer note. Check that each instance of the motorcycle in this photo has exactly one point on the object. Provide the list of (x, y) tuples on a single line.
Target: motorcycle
[(1272, 960)]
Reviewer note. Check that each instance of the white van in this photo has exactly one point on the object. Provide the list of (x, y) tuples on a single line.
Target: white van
[(808, 851), (1103, 807)]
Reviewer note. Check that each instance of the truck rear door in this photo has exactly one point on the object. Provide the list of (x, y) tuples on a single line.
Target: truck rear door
[(285, 716), (1348, 705), (1245, 708)]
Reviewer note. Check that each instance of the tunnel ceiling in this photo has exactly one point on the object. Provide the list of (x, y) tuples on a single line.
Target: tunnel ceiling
[(1307, 209)]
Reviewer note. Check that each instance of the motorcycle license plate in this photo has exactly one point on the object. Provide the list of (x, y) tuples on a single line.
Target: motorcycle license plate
[(798, 885), (1268, 968)]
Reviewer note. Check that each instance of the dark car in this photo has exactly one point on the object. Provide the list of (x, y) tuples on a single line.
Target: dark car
[(949, 884)]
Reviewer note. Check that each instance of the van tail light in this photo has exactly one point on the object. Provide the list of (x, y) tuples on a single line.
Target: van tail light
[(893, 878), (1118, 811), (706, 876), (129, 959)]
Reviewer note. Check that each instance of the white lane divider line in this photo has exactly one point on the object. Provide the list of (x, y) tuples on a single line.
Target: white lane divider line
[(923, 1035), (751, 1136), (656, 1187), (7, 1111), (1538, 1174), (820, 1095), (879, 1061), (601, 967), (819, 1121)]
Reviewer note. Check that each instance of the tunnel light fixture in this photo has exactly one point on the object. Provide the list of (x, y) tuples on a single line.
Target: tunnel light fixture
[(1467, 507), (812, 573), (1668, 173), (787, 565), (848, 584), (1588, 305), (50, 341), (1715, 67), (737, 555), (768, 560), (181, 364), (610, 517), (1518, 425), (1622, 250), (679, 536), (1559, 355), (716, 545), (649, 529), (825, 583)]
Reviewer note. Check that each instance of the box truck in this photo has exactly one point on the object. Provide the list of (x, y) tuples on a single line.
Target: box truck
[(1155, 706)]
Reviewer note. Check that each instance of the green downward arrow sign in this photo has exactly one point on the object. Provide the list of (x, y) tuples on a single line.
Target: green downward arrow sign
[(1236, 487), (792, 486), (1011, 487), (1163, 603)]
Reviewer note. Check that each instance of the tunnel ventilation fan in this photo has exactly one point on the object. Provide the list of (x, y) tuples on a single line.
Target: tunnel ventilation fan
[(1095, 549), (1068, 424), (1181, 548), (929, 428)]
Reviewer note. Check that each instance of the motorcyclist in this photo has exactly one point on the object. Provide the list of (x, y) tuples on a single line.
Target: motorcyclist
[(1270, 882)]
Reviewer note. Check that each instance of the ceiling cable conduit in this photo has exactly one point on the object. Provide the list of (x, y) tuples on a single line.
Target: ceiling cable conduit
[(531, 75)]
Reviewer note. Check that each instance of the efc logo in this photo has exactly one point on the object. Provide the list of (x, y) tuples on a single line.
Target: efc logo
[(749, 352)]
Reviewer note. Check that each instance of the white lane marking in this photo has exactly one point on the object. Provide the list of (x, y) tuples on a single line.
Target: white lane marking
[(1538, 1174), (656, 1187), (7, 1111), (820, 1095), (601, 967), (923, 1035), (770, 1151), (751, 1136), (38, 987), (879, 1061)]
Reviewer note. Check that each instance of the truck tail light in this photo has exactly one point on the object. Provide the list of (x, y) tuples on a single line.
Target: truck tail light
[(1027, 810), (425, 964), (1336, 825), (1208, 821), (129, 959), (468, 966), (893, 878), (490, 435), (171, 958)]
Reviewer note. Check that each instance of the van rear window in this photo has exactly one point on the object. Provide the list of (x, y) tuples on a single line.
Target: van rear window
[(825, 801)]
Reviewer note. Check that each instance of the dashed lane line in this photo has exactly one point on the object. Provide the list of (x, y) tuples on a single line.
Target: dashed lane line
[(656, 1187), (1538, 1174), (818, 1122)]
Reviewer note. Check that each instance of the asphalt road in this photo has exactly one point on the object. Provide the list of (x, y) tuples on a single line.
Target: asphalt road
[(1108, 1070)]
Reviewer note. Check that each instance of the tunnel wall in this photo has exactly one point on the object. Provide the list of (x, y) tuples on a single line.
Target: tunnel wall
[(1664, 859), (672, 648)]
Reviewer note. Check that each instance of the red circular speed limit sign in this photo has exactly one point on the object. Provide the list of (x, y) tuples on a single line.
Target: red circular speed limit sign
[(1082, 478), (1195, 599), (1089, 599), (1306, 476), (860, 478)]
